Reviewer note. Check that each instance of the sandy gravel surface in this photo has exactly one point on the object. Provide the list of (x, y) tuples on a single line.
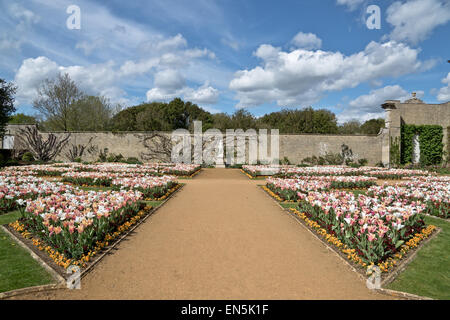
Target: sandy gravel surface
[(220, 237)]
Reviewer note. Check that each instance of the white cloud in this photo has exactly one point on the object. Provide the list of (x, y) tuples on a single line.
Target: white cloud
[(30, 75), (415, 20), (160, 95), (301, 77), (307, 41), (97, 79), (444, 92), (368, 106), (203, 95), (351, 4), (169, 79)]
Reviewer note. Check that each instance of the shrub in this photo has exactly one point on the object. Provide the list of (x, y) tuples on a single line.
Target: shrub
[(285, 161), (333, 158), (380, 164), (115, 158), (363, 162), (133, 160), (28, 157)]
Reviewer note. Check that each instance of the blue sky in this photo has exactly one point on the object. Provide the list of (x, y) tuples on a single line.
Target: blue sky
[(227, 54)]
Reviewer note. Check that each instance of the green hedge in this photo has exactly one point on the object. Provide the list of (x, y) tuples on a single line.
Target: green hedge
[(431, 145)]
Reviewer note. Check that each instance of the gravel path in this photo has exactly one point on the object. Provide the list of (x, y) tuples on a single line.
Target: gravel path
[(220, 237)]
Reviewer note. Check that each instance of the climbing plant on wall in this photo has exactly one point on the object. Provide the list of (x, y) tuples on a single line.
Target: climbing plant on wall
[(395, 151), (430, 140)]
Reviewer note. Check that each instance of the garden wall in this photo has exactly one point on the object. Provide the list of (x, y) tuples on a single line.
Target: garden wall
[(294, 147)]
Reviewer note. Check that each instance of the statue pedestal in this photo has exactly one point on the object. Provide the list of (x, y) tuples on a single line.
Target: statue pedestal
[(220, 165)]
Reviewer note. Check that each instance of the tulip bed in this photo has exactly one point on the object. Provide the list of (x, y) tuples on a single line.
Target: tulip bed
[(292, 171), (151, 187), (61, 169), (73, 223), (376, 225), (13, 190), (433, 196), (394, 174), (288, 189), (90, 178), (373, 230)]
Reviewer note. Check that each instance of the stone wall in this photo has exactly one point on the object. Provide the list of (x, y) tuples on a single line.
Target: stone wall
[(374, 148), (294, 147), (415, 111)]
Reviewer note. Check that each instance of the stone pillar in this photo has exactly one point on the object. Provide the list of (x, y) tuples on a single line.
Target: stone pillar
[(391, 131)]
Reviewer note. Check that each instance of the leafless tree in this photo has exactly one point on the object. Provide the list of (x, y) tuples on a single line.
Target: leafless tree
[(42, 149), (158, 146), (78, 150), (55, 100)]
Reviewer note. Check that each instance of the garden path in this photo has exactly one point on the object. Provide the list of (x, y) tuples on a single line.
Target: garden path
[(220, 237)]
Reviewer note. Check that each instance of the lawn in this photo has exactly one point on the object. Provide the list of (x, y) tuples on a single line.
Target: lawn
[(429, 274), (17, 268)]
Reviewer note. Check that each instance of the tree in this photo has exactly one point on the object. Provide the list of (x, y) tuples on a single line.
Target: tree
[(372, 126), (90, 113), (242, 119), (7, 92), (158, 116), (20, 118), (350, 127), (55, 100), (42, 149)]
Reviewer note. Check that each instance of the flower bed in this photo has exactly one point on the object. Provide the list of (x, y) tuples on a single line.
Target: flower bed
[(90, 178), (325, 171), (262, 170), (185, 170), (151, 187), (433, 196), (288, 189), (351, 254), (124, 169), (371, 231), (12, 195), (73, 225), (395, 174)]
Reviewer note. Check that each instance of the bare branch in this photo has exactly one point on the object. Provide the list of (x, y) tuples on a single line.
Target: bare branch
[(44, 150)]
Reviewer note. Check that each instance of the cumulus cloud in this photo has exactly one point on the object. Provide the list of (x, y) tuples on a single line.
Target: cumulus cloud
[(169, 79), (415, 20), (444, 92), (368, 106), (351, 4), (307, 41), (205, 94), (99, 79), (301, 77), (30, 75), (106, 78)]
